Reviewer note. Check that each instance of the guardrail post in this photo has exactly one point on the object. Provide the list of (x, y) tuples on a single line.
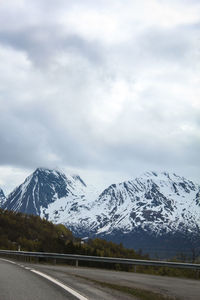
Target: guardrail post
[(135, 269), (76, 263)]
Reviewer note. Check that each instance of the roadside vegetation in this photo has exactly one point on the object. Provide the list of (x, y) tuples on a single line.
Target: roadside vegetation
[(31, 233), (139, 293)]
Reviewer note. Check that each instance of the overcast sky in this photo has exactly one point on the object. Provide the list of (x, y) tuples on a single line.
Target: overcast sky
[(108, 89)]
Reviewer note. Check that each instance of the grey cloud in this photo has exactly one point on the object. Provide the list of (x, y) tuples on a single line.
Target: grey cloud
[(21, 144), (168, 45), (157, 47), (42, 43)]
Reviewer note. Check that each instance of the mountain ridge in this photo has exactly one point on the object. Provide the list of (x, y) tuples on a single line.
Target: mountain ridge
[(155, 206)]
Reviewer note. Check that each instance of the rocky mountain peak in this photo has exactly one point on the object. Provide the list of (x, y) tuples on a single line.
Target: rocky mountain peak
[(40, 189)]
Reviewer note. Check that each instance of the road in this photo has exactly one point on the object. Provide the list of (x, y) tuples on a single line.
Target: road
[(183, 289), (19, 281)]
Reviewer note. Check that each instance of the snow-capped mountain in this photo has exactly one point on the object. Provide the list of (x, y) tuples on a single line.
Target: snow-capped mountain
[(154, 209), (2, 198), (159, 213), (157, 202), (44, 187)]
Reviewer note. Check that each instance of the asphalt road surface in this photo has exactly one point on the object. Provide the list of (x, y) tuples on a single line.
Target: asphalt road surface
[(19, 281)]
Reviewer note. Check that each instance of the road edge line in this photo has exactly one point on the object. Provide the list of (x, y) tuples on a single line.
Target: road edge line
[(55, 281), (65, 287)]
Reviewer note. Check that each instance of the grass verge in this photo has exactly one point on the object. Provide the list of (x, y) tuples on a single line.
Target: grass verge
[(135, 292)]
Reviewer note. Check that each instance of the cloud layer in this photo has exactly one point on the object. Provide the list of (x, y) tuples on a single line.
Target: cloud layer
[(101, 86)]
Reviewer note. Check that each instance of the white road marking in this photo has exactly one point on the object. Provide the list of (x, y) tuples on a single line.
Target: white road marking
[(68, 289), (12, 262)]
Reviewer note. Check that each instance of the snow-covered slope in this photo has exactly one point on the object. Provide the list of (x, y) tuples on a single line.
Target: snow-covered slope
[(73, 209), (44, 187), (158, 213), (160, 203), (2, 198)]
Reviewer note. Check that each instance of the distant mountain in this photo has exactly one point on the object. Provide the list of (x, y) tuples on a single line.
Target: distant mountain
[(156, 211), (2, 198), (43, 188), (160, 203)]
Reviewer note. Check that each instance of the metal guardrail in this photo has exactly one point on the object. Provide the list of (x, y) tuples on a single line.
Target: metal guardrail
[(114, 260)]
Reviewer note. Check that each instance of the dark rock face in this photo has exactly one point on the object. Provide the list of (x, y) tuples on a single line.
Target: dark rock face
[(40, 189), (198, 198), (2, 198)]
